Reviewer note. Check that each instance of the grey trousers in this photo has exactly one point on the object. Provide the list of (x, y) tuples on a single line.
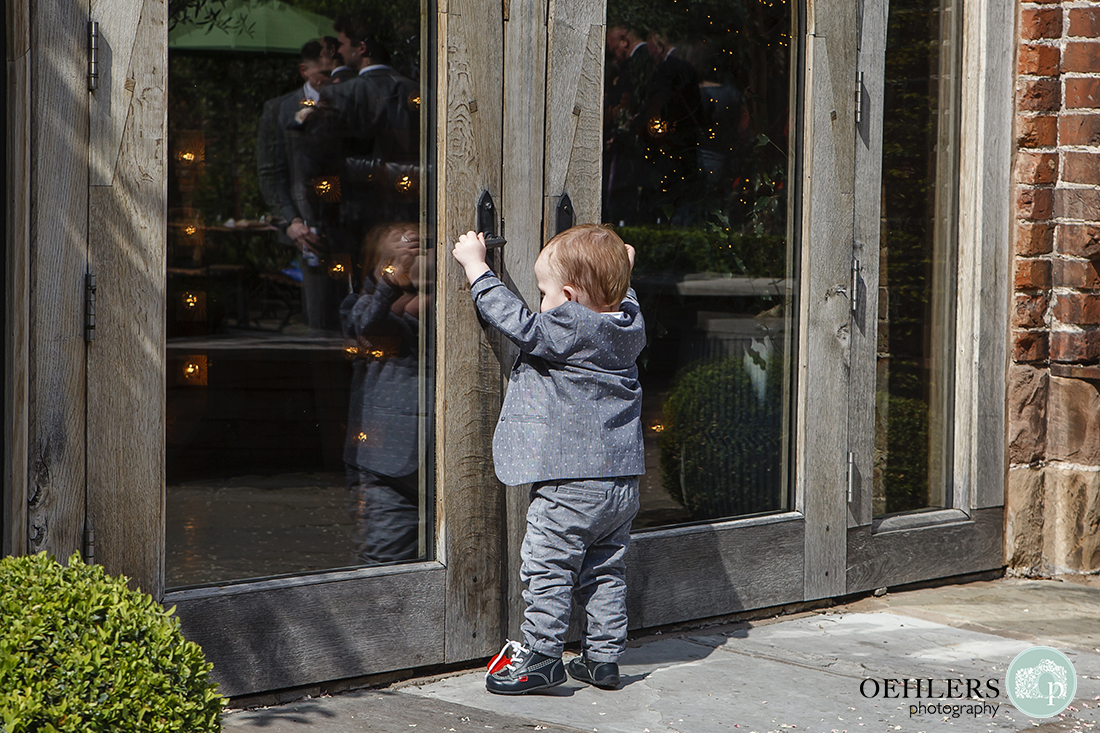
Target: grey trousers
[(386, 511), (577, 535)]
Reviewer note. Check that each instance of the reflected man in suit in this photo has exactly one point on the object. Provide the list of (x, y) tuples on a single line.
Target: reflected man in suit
[(283, 159), (628, 177), (672, 119), (376, 116)]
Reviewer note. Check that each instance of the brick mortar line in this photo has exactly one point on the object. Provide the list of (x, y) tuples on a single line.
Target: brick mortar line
[(1055, 463), (1071, 328)]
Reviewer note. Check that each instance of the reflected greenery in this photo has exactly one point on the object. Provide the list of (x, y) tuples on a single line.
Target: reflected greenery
[(908, 248), (722, 437)]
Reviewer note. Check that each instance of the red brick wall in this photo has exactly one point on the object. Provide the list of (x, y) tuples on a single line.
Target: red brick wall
[(1055, 372)]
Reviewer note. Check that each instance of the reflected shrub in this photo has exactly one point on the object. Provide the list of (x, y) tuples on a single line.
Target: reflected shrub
[(721, 443)]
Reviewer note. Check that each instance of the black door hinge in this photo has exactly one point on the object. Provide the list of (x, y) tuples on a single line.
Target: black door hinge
[(89, 307), (93, 55)]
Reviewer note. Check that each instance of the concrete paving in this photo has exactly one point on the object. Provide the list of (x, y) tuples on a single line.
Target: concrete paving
[(806, 672)]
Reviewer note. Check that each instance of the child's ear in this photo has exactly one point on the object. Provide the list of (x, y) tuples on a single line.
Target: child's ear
[(570, 293)]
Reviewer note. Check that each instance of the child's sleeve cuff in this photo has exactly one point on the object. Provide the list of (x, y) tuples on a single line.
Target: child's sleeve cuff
[(484, 282)]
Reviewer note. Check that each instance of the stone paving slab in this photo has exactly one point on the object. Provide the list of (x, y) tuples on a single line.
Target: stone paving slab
[(379, 711), (1055, 611), (797, 675)]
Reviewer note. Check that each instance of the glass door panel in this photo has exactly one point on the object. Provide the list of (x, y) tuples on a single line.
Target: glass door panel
[(695, 176), (917, 258), (299, 311)]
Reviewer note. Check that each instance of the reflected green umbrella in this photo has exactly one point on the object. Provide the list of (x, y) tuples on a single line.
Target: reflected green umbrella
[(247, 25)]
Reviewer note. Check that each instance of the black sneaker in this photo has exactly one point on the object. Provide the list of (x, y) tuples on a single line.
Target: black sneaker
[(519, 669), (600, 674)]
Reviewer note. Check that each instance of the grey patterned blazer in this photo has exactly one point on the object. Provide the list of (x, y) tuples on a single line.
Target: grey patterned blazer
[(573, 407)]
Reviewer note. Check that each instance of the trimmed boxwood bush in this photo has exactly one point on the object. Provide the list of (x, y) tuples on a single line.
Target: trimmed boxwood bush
[(80, 651)]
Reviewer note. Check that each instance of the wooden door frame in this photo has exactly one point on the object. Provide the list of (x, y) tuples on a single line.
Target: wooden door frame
[(45, 265), (349, 623), (16, 308), (967, 536)]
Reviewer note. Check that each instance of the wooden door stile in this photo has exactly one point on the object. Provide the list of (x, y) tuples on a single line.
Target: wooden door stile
[(58, 113), (827, 230), (17, 272), (574, 108), (865, 247), (468, 388), (127, 245), (524, 162)]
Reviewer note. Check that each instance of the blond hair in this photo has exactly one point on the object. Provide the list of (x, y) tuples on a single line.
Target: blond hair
[(591, 257), (378, 242)]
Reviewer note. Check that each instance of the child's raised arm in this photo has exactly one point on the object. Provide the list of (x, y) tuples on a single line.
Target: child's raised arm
[(469, 250)]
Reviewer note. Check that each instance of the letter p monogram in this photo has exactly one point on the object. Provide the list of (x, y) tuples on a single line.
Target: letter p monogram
[(1050, 690)]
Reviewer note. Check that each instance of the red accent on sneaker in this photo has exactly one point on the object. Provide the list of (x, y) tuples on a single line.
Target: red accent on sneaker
[(523, 678), (500, 661)]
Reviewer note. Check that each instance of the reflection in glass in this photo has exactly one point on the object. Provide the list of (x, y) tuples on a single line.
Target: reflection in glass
[(298, 302), (917, 258), (696, 129)]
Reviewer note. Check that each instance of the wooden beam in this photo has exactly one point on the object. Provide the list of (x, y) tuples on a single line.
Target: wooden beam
[(58, 113), (297, 631), (985, 251), (525, 128), (828, 185), (574, 108), (691, 573), (468, 388), (127, 245), (884, 559), (17, 272)]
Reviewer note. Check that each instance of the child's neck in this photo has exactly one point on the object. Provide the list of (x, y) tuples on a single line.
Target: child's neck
[(582, 298)]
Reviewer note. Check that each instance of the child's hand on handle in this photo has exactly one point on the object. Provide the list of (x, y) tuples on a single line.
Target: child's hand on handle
[(630, 255), (469, 250)]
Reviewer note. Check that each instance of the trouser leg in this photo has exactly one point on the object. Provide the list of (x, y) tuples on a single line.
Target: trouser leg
[(551, 556), (602, 593), (386, 512), (577, 531)]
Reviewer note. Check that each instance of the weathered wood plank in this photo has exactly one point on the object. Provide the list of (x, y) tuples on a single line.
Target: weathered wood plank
[(525, 129), (574, 94), (985, 187), (691, 573), (828, 183), (524, 140), (126, 360), (118, 25), (885, 559), (274, 635), (17, 277), (58, 261), (470, 93), (868, 205)]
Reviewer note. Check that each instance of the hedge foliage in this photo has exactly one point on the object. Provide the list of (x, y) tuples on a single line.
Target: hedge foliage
[(721, 446), (81, 652), (671, 250)]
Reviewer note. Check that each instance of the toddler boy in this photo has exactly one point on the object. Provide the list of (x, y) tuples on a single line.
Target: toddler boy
[(571, 427)]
